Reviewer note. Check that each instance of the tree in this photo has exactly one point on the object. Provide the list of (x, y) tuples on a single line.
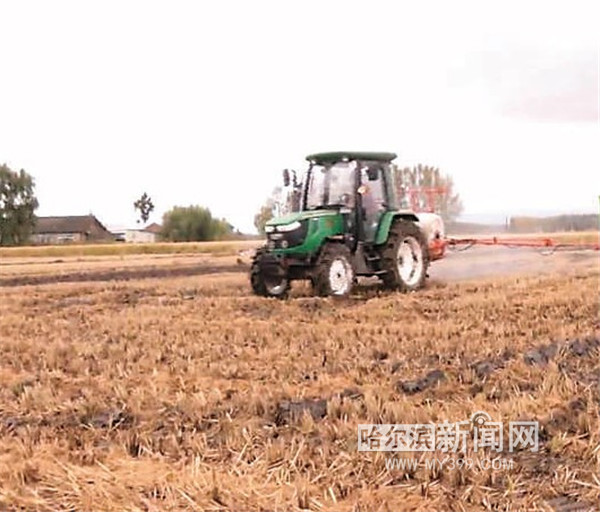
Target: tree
[(193, 223), (264, 215), (17, 206), (423, 186), (145, 206), (280, 202)]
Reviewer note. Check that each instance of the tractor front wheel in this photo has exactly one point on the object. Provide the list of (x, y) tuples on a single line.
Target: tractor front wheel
[(334, 274), (267, 285), (405, 257)]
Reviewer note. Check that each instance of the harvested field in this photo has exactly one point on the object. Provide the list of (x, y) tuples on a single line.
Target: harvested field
[(125, 249), (184, 392)]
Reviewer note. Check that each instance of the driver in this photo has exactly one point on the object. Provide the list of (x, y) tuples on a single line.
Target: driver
[(368, 200)]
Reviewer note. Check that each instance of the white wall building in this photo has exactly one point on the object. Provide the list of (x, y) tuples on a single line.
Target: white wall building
[(136, 236)]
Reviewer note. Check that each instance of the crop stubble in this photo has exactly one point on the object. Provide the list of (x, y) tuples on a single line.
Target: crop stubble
[(189, 393)]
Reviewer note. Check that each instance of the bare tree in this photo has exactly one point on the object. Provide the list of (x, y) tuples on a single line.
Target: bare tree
[(424, 187), (145, 206)]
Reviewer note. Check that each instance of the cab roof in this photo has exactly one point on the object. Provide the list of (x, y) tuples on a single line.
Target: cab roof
[(338, 156)]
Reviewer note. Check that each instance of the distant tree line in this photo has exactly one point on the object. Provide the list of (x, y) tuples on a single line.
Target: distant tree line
[(582, 222), (454, 228), (522, 224)]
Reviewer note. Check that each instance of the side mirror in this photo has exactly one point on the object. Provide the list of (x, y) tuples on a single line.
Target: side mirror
[(286, 178)]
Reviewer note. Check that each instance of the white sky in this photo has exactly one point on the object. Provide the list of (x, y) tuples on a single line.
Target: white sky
[(205, 102)]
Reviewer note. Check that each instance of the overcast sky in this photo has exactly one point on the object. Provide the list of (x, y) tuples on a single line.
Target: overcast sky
[(205, 102)]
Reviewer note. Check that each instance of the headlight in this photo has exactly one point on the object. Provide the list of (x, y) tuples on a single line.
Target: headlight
[(269, 229), (289, 227)]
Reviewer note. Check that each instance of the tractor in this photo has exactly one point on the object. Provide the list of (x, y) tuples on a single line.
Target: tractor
[(347, 224)]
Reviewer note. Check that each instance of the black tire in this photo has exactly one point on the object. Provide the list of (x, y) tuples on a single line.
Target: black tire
[(405, 239), (334, 273), (263, 285)]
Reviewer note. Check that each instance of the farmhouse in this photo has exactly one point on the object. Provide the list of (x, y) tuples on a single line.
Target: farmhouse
[(134, 235), (77, 228)]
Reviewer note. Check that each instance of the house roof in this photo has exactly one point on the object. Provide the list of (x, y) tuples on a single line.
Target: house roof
[(153, 228), (68, 224)]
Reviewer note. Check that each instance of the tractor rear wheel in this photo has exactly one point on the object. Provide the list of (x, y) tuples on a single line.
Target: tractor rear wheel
[(405, 257), (267, 285), (334, 274)]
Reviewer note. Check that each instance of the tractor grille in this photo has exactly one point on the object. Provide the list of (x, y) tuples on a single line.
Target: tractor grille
[(289, 239)]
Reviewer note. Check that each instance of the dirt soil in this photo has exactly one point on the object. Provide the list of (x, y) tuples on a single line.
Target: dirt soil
[(477, 262), (123, 274)]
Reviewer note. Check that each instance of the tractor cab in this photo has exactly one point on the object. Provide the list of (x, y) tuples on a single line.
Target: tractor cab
[(361, 183), (345, 220)]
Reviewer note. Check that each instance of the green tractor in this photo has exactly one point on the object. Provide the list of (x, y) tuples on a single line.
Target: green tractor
[(348, 224)]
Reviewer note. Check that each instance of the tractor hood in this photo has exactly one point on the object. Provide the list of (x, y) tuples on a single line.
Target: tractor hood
[(298, 216)]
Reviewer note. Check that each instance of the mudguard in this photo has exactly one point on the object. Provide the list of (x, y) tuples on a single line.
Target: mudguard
[(386, 222)]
